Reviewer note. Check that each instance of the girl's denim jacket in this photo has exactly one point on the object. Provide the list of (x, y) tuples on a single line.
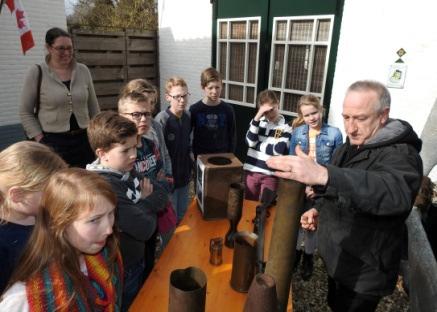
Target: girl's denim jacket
[(327, 141)]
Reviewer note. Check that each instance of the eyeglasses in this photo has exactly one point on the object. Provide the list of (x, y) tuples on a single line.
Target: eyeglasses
[(138, 115), (180, 96), (63, 49)]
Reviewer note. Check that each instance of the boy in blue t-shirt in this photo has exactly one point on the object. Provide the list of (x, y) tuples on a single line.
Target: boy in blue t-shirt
[(212, 120)]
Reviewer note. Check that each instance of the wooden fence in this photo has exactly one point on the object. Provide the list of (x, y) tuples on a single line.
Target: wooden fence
[(114, 58)]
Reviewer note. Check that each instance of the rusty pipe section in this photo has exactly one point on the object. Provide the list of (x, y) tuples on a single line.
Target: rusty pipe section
[(234, 211), (291, 195), (243, 262), (262, 294), (187, 290)]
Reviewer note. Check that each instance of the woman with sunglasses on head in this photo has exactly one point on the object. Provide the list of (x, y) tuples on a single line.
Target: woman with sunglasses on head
[(58, 100)]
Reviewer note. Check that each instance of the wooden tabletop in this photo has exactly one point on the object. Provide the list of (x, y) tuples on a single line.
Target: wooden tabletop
[(189, 246)]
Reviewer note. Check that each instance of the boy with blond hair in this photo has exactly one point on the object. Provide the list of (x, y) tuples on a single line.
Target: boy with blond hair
[(113, 138), (137, 107), (212, 120), (155, 132), (176, 125)]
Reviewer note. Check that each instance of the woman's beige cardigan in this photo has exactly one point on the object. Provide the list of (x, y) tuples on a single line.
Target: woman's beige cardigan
[(57, 103)]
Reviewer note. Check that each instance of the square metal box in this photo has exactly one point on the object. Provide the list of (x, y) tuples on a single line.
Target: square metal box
[(215, 173)]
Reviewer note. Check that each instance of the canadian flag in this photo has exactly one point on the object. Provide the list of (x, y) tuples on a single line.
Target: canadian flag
[(26, 37)]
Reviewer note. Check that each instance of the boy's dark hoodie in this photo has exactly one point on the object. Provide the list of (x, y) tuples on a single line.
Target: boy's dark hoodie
[(136, 218)]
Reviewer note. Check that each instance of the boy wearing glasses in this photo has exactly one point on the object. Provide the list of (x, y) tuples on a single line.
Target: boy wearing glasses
[(176, 125), (155, 132), (138, 107), (114, 139), (213, 120)]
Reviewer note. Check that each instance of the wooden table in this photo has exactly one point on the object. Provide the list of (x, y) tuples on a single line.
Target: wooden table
[(189, 246)]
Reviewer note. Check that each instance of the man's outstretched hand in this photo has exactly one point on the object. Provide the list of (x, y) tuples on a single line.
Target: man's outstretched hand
[(301, 168)]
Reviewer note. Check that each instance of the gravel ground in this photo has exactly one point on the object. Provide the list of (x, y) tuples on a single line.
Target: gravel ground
[(310, 296)]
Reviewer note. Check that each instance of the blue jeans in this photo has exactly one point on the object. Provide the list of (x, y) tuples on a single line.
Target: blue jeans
[(133, 281), (179, 199)]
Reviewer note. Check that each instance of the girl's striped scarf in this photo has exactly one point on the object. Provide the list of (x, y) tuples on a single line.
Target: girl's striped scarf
[(51, 289)]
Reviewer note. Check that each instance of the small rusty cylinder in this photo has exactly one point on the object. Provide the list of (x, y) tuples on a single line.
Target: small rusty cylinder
[(291, 195), (187, 290), (234, 211), (243, 262), (215, 250), (262, 294), (235, 200)]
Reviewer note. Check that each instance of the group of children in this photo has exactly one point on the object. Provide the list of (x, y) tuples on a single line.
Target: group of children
[(270, 135), (57, 223)]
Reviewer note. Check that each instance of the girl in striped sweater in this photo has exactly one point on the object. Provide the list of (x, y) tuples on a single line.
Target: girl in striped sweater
[(268, 135)]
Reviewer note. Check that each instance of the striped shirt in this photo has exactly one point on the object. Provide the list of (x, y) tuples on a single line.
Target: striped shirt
[(266, 139)]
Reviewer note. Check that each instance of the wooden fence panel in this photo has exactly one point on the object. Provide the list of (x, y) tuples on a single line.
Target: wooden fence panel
[(142, 44), (96, 43), (108, 87), (148, 72), (108, 102), (139, 58), (107, 73), (101, 59), (114, 58)]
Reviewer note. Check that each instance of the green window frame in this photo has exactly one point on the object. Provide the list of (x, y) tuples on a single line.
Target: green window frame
[(238, 45), (299, 58)]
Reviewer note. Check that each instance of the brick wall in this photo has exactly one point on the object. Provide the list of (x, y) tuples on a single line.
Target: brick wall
[(185, 29), (42, 15)]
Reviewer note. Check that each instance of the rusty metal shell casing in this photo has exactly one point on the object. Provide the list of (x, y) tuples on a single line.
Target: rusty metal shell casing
[(187, 290), (234, 211), (243, 262), (262, 294), (291, 195)]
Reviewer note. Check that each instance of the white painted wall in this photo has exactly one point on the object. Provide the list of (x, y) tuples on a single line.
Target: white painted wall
[(371, 33), (185, 29), (42, 15)]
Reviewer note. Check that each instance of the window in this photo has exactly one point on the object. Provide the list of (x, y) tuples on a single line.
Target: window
[(299, 58), (237, 58)]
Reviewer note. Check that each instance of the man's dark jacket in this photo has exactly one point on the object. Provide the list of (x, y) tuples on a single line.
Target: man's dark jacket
[(370, 192)]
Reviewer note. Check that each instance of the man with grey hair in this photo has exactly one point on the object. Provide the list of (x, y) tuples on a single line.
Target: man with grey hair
[(362, 198)]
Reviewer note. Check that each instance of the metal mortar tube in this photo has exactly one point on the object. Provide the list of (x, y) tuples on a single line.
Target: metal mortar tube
[(187, 291), (291, 195)]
